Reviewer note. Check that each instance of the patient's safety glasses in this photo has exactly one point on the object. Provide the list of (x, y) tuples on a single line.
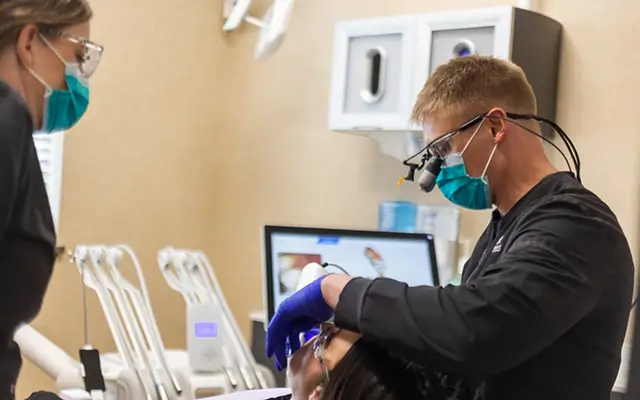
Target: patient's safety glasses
[(328, 331)]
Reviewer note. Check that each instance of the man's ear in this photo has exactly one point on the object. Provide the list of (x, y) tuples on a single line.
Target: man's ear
[(316, 393), (496, 119)]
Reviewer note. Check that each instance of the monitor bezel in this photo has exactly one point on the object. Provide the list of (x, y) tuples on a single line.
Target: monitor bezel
[(270, 230)]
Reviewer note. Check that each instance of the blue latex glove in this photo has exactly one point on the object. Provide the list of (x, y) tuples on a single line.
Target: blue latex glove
[(307, 337), (311, 334), (299, 313)]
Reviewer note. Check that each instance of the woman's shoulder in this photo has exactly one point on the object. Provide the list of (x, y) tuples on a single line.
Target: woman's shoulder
[(14, 114)]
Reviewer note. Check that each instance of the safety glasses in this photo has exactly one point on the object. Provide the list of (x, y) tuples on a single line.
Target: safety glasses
[(92, 54), (441, 146), (328, 332)]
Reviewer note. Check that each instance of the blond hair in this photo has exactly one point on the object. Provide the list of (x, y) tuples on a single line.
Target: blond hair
[(473, 85), (51, 17)]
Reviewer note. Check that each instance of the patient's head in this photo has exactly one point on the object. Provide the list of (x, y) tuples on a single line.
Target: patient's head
[(338, 364)]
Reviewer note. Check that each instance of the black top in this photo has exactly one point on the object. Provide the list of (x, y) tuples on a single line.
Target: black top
[(27, 235), (542, 311)]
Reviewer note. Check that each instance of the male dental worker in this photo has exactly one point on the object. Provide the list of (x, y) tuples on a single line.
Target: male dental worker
[(545, 297)]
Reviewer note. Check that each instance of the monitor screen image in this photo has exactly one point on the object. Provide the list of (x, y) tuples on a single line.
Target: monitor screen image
[(289, 267)]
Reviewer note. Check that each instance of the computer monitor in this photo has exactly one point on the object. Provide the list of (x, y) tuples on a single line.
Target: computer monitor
[(406, 257)]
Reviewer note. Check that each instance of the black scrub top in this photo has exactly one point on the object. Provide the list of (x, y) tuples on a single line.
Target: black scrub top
[(542, 310), (27, 235)]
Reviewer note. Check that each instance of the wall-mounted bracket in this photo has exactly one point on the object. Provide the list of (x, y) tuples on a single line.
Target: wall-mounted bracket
[(227, 6)]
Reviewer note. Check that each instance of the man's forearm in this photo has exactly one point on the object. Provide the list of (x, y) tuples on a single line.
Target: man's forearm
[(332, 286)]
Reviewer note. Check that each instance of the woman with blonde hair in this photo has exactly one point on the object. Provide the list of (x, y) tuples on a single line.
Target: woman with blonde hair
[(46, 60)]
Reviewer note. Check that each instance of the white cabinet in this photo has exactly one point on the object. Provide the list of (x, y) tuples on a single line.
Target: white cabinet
[(372, 74), (444, 35)]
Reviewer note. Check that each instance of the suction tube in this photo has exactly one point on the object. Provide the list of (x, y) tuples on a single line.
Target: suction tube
[(142, 306), (131, 327), (115, 324)]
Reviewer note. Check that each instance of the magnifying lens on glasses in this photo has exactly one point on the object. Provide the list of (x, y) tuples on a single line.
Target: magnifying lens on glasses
[(427, 180), (430, 165)]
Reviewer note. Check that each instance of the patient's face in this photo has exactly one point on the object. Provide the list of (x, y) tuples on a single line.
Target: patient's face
[(305, 372)]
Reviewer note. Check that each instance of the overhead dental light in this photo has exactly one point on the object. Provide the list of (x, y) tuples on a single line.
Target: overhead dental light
[(273, 25)]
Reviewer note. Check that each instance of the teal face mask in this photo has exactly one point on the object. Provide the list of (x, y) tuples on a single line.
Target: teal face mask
[(64, 108), (460, 188)]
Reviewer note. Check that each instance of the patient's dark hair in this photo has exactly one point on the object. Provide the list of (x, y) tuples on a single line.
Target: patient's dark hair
[(371, 372)]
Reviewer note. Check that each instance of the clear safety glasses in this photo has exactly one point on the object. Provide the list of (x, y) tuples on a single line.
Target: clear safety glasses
[(441, 146), (90, 59), (320, 345)]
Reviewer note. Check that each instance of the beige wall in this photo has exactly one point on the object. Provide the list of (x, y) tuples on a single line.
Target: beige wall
[(191, 142)]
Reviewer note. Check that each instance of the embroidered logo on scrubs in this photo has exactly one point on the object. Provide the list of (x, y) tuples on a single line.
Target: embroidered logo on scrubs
[(498, 245)]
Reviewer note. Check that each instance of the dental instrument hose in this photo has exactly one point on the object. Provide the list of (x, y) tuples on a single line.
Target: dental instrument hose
[(89, 357), (325, 265)]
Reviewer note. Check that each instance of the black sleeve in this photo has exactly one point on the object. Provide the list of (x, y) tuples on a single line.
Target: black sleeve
[(15, 132), (551, 277)]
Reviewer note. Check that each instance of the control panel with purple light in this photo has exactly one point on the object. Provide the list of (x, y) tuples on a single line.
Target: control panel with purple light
[(206, 329), (204, 337)]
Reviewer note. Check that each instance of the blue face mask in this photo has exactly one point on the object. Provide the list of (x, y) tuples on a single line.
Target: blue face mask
[(64, 108), (460, 188)]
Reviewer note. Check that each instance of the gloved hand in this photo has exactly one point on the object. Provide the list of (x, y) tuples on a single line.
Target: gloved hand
[(308, 335), (311, 334), (299, 313)]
